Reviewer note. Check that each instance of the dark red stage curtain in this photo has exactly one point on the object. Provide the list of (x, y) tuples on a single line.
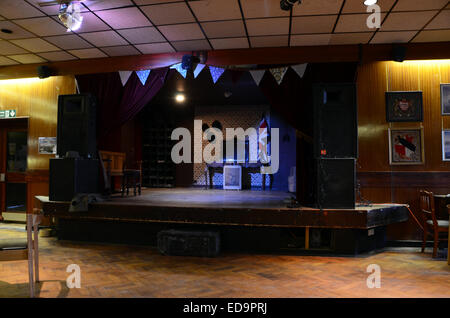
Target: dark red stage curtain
[(117, 104)]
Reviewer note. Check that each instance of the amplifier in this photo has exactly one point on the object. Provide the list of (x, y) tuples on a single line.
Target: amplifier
[(189, 243)]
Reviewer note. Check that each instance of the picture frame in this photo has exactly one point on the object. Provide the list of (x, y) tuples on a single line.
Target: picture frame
[(406, 146), (446, 145), (445, 99), (404, 106), (232, 177), (47, 145)]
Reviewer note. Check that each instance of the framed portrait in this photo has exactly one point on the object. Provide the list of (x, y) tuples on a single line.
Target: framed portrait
[(404, 106), (232, 177), (446, 145), (406, 146), (445, 99)]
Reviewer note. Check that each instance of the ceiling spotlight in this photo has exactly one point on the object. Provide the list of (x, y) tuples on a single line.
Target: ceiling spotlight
[(70, 15), (180, 98), (286, 5), (370, 2)]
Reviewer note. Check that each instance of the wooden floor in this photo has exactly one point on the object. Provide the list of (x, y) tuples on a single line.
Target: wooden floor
[(126, 271)]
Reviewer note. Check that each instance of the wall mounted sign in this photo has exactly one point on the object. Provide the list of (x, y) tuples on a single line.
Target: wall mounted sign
[(406, 146), (445, 99), (47, 145), (404, 106), (446, 145), (11, 113)]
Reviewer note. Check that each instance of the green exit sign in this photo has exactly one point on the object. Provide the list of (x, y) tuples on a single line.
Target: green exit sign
[(11, 113)]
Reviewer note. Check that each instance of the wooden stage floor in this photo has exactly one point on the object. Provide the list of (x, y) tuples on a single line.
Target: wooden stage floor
[(134, 271), (222, 207)]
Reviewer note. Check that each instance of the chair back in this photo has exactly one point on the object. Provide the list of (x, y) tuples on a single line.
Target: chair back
[(106, 172), (427, 208)]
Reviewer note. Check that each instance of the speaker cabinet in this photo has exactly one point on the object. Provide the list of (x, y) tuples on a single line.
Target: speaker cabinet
[(335, 121), (76, 125), (336, 183), (70, 176)]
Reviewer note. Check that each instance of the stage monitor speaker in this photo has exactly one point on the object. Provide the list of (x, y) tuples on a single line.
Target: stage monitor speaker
[(76, 125), (335, 121), (70, 176), (336, 180)]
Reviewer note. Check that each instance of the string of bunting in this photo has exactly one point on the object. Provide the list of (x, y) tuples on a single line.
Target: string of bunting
[(216, 72)]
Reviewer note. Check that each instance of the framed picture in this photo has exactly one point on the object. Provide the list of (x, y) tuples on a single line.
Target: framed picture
[(47, 145), (406, 146), (446, 145), (404, 106), (445, 99), (232, 177)]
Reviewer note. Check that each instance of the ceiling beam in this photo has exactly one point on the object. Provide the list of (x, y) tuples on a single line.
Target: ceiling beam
[(292, 55)]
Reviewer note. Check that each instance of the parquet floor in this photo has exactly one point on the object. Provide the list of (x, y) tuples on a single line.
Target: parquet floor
[(130, 271)]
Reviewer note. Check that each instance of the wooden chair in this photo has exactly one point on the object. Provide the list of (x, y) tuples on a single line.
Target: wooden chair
[(132, 178), (13, 249), (431, 225)]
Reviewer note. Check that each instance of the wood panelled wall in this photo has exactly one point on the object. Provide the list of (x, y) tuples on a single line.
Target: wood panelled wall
[(37, 99), (380, 181)]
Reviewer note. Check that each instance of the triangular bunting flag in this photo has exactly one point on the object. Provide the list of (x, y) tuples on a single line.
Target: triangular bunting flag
[(143, 75), (300, 69), (257, 75), (179, 69), (198, 69), (216, 73), (124, 76), (278, 73)]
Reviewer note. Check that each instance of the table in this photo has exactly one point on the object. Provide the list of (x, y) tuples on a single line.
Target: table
[(212, 168)]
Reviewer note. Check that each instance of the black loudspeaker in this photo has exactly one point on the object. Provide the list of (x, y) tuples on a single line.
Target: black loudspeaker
[(76, 125), (398, 53), (336, 180), (335, 121), (70, 176), (44, 71)]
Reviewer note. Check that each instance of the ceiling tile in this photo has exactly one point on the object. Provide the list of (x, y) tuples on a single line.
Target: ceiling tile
[(269, 41), (230, 43), (104, 38), (314, 7), (142, 35), (392, 37), (316, 24), (2, 18), (224, 29), (17, 31), (350, 38), (35, 45), (57, 56), (210, 10), (274, 26), (27, 58), (14, 9), (143, 2), (191, 45), (354, 23), (442, 21), (42, 26), (6, 61), (433, 36), (170, 13), (310, 39), (50, 9), (7, 48), (88, 53), (121, 50), (180, 32), (358, 6), (262, 9), (101, 5), (124, 18), (68, 42), (407, 20), (416, 5), (92, 23), (155, 48)]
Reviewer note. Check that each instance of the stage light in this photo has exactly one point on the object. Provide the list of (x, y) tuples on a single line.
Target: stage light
[(286, 5), (370, 2), (70, 15), (180, 98)]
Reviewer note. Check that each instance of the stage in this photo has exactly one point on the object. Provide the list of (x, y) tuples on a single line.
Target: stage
[(227, 207)]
